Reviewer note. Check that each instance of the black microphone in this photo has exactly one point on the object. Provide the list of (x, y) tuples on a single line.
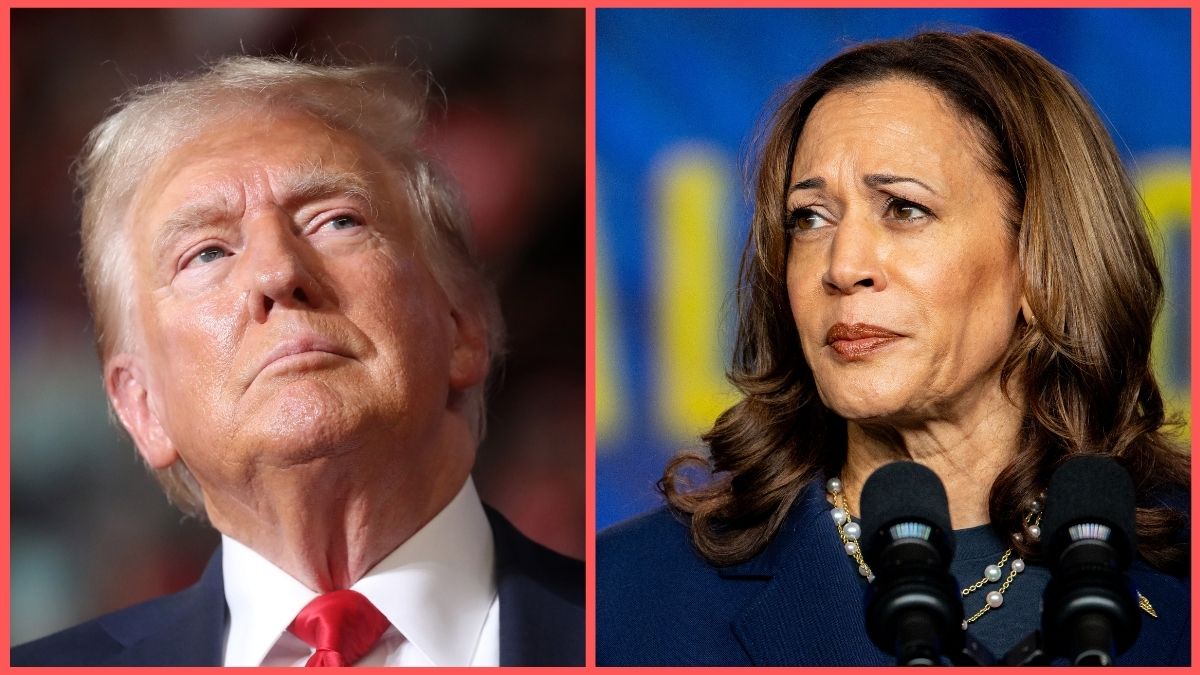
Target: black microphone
[(913, 607), (1090, 610)]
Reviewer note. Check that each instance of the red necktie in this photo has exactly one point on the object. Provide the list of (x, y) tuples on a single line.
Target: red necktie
[(342, 626)]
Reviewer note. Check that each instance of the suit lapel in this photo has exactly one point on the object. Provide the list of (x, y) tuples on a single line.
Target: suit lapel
[(541, 619), (539, 623), (811, 610), (188, 630)]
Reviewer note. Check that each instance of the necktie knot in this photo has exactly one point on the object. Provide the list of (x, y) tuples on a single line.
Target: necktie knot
[(342, 626)]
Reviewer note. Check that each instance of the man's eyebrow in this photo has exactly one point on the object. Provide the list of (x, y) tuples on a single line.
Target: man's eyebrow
[(307, 184), (190, 216), (297, 187)]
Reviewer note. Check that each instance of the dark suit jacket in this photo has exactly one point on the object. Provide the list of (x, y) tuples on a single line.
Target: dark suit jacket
[(541, 617), (799, 602)]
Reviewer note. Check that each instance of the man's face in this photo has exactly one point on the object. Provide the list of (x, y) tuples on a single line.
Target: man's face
[(286, 311)]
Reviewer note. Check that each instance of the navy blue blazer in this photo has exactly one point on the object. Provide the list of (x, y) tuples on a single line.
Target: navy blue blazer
[(541, 617), (797, 603)]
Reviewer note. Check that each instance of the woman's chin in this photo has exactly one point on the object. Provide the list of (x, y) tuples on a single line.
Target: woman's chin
[(870, 408)]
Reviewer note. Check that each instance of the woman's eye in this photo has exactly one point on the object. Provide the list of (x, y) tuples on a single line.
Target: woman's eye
[(900, 209), (342, 222), (805, 219)]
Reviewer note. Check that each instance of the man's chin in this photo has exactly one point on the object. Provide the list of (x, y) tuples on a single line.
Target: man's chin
[(304, 415)]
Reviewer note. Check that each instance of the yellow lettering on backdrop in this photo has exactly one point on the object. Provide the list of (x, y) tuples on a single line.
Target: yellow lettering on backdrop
[(1166, 187), (691, 203), (611, 412)]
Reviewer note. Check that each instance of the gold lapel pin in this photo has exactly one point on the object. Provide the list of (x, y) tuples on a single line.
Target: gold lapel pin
[(1144, 603)]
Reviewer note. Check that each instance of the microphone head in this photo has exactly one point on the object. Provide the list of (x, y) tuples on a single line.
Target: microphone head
[(903, 492), (1089, 609), (1091, 497)]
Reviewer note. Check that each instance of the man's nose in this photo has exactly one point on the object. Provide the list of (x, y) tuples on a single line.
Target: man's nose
[(280, 267), (855, 260)]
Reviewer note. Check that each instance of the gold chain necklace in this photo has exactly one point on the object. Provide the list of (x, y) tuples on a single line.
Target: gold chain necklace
[(850, 531)]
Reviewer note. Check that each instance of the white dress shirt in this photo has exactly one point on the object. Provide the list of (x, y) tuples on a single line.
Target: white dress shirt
[(438, 590)]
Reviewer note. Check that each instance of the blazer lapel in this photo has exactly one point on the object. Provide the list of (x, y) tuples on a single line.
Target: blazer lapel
[(811, 610)]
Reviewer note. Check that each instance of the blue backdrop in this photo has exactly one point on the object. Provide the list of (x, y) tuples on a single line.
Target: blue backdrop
[(678, 94)]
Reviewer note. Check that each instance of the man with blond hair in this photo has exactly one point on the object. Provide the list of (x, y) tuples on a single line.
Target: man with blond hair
[(296, 334)]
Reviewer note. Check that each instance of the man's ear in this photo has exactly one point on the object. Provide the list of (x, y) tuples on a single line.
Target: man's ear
[(469, 358), (126, 384)]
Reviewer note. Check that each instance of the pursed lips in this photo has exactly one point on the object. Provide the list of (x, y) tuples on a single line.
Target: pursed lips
[(855, 341), (296, 346)]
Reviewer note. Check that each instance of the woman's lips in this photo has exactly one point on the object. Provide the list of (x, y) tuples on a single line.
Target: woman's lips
[(856, 341)]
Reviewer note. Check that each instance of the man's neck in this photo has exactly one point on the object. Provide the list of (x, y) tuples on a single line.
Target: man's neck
[(328, 522), (436, 589)]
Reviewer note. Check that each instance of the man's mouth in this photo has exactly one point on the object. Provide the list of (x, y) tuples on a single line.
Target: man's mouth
[(301, 348)]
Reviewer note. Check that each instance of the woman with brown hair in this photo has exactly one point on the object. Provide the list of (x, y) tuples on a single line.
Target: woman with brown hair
[(947, 264)]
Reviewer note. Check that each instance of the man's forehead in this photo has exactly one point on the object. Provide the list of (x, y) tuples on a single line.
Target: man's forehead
[(208, 190), (290, 159), (217, 176)]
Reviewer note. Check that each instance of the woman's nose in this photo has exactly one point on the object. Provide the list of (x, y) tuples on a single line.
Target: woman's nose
[(855, 263)]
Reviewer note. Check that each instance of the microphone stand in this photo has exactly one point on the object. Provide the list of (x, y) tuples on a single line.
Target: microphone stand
[(1028, 652), (973, 653)]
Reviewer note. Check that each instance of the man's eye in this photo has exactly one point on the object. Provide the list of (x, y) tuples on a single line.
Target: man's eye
[(342, 222), (207, 255)]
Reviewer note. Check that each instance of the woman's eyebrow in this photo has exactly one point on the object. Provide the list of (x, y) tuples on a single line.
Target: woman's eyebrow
[(875, 180), (814, 183), (872, 180)]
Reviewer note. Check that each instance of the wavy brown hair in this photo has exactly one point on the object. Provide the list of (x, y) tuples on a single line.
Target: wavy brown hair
[(1089, 277)]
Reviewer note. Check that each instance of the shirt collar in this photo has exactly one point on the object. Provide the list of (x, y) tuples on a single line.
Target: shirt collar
[(436, 588)]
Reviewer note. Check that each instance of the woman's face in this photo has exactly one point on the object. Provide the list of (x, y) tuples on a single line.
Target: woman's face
[(902, 272)]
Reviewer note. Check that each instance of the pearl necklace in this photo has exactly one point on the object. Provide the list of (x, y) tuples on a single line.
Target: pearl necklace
[(850, 531)]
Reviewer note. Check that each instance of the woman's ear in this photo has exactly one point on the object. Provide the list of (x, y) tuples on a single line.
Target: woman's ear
[(129, 393), (1026, 311)]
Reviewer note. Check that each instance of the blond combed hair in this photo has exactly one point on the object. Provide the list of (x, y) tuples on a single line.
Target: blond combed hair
[(383, 105)]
